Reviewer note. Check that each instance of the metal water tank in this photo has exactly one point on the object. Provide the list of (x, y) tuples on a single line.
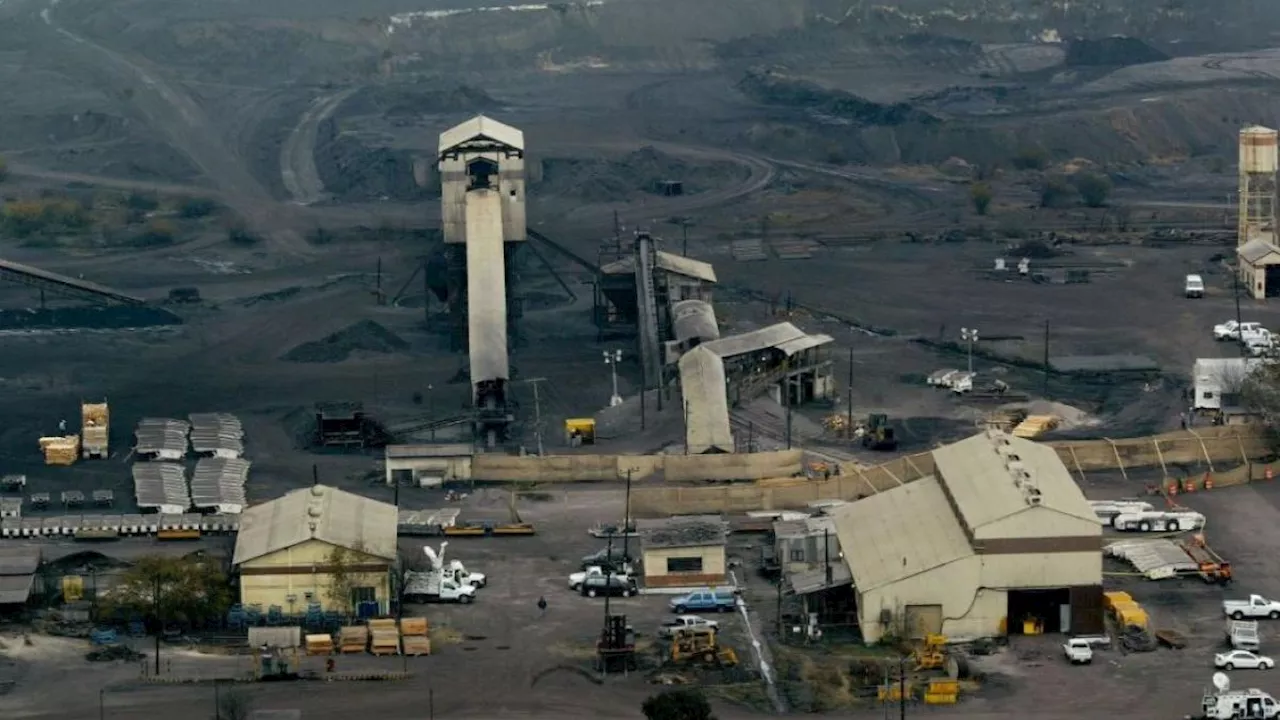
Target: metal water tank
[(1258, 150)]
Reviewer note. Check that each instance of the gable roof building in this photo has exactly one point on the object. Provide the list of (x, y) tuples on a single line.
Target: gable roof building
[(332, 516)]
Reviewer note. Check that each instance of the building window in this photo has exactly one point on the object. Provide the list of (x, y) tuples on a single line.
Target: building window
[(363, 595), (797, 555), (1208, 395), (684, 565)]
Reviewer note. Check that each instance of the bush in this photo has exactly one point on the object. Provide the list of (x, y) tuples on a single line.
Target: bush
[(241, 236), (193, 208), (23, 218), (1094, 188), (681, 704), (4, 169), (1055, 191), (1030, 157), (980, 195), (157, 232), (141, 201)]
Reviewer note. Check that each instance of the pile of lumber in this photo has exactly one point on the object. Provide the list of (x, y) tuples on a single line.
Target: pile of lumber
[(60, 450), (414, 635), (321, 644), (385, 639), (353, 639)]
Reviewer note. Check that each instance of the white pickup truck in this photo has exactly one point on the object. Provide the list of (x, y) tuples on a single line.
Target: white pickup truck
[(1255, 607), (1232, 330), (1079, 651)]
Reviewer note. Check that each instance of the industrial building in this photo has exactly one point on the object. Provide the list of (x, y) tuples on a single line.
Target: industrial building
[(998, 540), (483, 205), (18, 566), (1259, 257), (1216, 382), (317, 545), (772, 358), (428, 464), (686, 552), (706, 406)]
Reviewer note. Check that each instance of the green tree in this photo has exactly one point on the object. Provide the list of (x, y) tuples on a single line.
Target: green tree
[(193, 590), (680, 704), (1030, 157), (980, 195), (1094, 188), (1055, 191), (4, 169), (193, 208)]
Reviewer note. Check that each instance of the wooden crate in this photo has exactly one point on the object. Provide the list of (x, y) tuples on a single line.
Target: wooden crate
[(321, 644), (382, 624), (414, 626), (415, 645), (385, 642), (353, 639)]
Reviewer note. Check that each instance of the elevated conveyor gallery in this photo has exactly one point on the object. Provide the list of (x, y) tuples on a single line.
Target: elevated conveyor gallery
[(64, 286)]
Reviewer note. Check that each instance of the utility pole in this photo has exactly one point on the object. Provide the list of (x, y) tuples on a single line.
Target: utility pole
[(1045, 390), (537, 410), (781, 579), (159, 622), (431, 704), (902, 687), (102, 703), (626, 519), (684, 231), (826, 547), (1235, 284), (217, 701), (686, 427), (848, 426), (380, 299), (431, 409)]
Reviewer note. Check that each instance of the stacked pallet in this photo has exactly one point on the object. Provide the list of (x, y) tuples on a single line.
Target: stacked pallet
[(353, 639), (321, 644), (60, 450), (94, 419), (414, 636), (384, 637)]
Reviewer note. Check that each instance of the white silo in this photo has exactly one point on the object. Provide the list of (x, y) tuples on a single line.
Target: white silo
[(1258, 161)]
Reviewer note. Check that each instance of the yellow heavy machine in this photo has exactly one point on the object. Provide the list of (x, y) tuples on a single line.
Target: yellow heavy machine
[(700, 645), (931, 653)]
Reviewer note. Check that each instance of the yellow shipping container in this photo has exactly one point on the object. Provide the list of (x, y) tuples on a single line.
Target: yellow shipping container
[(1135, 616)]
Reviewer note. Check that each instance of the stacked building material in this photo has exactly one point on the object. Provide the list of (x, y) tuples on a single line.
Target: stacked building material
[(384, 637), (60, 450), (320, 644), (414, 636), (162, 438), (94, 429), (217, 434), (161, 486), (218, 484), (353, 639)]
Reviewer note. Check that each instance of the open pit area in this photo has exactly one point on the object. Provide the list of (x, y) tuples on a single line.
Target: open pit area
[(856, 169)]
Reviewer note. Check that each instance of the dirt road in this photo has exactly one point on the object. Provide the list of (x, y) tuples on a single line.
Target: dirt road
[(297, 154)]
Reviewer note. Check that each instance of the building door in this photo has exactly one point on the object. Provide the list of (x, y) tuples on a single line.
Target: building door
[(1272, 283), (1086, 610), (923, 620)]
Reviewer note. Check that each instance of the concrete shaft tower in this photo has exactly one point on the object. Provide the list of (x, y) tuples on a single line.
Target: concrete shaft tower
[(1258, 160), (482, 193)]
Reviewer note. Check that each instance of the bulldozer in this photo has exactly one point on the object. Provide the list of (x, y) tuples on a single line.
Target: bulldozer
[(930, 653), (700, 645), (878, 434)]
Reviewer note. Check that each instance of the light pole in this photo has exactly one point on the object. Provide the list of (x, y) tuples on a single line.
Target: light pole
[(969, 335), (431, 409), (612, 358)]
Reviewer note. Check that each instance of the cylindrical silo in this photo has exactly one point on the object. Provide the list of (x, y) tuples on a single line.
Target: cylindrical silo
[(1258, 150)]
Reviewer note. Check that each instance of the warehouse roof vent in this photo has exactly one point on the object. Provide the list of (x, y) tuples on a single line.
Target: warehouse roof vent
[(1031, 495)]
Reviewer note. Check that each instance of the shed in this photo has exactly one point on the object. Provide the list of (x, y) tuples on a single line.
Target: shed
[(18, 565), (684, 552), (1000, 535), (317, 544), (1260, 268), (1217, 381), (706, 403), (427, 464)]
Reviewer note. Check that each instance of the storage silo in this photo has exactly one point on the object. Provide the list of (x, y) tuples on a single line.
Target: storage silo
[(1258, 164)]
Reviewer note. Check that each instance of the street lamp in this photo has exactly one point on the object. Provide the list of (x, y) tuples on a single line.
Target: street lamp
[(969, 335), (612, 358)]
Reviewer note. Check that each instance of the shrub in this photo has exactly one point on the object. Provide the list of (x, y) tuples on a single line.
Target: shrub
[(1094, 188), (157, 232), (193, 208), (141, 201), (1030, 157), (1055, 191), (239, 235), (980, 195)]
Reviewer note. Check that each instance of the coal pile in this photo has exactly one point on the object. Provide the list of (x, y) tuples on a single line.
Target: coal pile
[(602, 180), (97, 318), (774, 88), (364, 336), (111, 653), (353, 171), (407, 102), (1111, 52)]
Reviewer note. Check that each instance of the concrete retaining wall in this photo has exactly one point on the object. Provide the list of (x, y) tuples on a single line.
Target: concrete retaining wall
[(595, 468)]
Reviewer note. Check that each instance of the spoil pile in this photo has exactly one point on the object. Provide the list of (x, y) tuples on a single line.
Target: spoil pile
[(1115, 51), (364, 336), (353, 171), (771, 87), (111, 653), (601, 179)]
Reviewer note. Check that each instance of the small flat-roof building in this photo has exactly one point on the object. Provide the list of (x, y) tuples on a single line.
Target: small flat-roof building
[(998, 536), (321, 545), (685, 552), (427, 464), (1217, 381)]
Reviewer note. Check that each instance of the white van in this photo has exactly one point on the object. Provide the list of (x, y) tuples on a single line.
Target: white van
[(1194, 287)]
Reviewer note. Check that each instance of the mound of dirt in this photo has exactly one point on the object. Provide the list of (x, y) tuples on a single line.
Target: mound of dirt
[(774, 88), (364, 336), (99, 318), (353, 171), (600, 180), (1112, 51), (400, 102), (111, 653)]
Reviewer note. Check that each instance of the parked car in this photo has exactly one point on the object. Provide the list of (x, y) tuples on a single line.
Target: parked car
[(1193, 287), (680, 622), (576, 579), (1243, 659), (615, 585), (1232, 330), (603, 557), (1079, 651), (707, 599), (1255, 607)]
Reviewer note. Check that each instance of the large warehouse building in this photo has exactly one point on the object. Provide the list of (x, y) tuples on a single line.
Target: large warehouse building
[(999, 536), (317, 545)]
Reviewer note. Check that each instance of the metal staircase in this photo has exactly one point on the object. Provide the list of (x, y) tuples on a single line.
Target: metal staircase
[(650, 351)]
